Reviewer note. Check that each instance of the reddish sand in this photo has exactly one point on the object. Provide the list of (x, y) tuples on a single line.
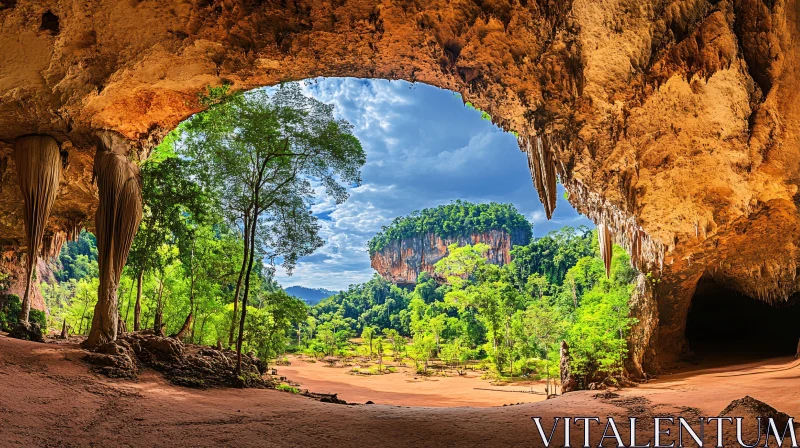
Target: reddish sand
[(404, 388), (48, 397)]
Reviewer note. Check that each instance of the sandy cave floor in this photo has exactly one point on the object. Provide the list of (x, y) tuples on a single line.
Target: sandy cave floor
[(48, 397)]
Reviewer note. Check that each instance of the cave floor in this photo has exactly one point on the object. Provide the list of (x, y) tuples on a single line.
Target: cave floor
[(48, 397)]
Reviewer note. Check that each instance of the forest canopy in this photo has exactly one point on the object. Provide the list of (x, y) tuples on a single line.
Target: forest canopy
[(456, 218)]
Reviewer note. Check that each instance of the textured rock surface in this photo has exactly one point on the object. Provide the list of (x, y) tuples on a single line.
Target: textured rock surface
[(184, 365), (402, 261), (12, 263), (674, 122)]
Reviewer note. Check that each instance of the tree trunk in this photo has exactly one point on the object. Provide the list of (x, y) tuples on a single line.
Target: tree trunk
[(157, 326), (252, 238), (186, 324), (116, 221), (121, 328), (239, 281), (64, 333), (159, 317), (137, 310)]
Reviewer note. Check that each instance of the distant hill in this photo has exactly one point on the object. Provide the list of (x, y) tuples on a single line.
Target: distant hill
[(311, 296), (413, 244)]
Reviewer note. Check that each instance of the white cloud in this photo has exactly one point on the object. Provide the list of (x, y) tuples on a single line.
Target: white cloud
[(424, 148)]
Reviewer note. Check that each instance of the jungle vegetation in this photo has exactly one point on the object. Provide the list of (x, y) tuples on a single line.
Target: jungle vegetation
[(227, 198), (456, 218)]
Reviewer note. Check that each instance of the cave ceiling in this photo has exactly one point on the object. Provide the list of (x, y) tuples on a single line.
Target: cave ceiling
[(673, 122)]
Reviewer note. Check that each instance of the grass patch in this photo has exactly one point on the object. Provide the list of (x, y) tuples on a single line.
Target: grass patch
[(288, 388)]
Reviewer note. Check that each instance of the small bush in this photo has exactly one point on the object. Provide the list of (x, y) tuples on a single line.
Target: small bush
[(9, 313), (38, 316)]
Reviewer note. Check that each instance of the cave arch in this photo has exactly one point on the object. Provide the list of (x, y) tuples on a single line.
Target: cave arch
[(650, 119)]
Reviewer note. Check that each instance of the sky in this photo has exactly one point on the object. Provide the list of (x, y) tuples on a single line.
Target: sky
[(424, 148)]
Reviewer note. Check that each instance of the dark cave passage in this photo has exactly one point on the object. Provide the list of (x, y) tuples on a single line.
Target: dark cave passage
[(724, 325)]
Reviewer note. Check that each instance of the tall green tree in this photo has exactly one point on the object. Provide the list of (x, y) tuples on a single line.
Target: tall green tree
[(171, 200), (259, 152)]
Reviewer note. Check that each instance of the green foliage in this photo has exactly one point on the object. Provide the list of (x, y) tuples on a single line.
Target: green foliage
[(552, 255), (38, 317), (173, 203), (256, 152), (10, 307), (377, 303), (287, 388), (267, 330), (602, 322), (457, 218), (511, 317), (78, 259)]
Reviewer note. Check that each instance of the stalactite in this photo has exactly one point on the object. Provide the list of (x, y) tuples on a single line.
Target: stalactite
[(73, 228), (117, 220), (543, 170), (546, 158), (606, 248), (646, 254), (52, 244), (38, 163), (3, 169)]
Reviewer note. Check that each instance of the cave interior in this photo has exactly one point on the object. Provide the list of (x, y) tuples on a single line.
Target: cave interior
[(725, 326)]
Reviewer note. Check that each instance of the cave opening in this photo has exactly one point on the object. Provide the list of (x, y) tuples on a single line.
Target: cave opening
[(724, 325)]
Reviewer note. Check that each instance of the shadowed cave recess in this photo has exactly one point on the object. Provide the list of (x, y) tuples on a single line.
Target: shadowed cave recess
[(725, 326)]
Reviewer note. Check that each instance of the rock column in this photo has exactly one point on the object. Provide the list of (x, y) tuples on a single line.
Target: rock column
[(38, 163), (117, 220)]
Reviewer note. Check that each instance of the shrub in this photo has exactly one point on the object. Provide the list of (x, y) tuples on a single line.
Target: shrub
[(9, 313), (39, 317)]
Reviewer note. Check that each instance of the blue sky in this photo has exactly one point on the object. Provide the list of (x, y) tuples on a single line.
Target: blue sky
[(424, 148)]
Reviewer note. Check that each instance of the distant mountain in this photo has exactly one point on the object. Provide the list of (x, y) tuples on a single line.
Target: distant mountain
[(311, 296)]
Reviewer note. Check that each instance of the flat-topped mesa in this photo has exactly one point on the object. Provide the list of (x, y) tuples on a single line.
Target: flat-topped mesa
[(401, 261), (413, 244)]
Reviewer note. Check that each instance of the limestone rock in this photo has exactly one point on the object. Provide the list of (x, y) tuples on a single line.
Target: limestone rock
[(750, 409), (401, 261), (28, 331), (674, 122), (184, 365)]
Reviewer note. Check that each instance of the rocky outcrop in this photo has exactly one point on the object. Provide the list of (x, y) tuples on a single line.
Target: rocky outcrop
[(12, 263), (184, 365), (401, 261), (673, 122)]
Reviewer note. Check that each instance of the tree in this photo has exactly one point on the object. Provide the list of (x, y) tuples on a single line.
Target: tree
[(397, 342), (258, 152), (171, 200), (368, 334), (268, 326), (379, 351), (421, 350)]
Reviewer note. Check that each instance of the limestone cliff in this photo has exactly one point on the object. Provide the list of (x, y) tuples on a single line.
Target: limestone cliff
[(674, 122), (401, 261)]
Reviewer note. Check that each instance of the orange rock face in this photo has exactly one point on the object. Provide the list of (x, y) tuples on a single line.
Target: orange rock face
[(674, 122), (401, 261)]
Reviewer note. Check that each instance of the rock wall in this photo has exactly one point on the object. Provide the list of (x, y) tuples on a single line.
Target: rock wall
[(401, 261), (674, 122), (12, 264)]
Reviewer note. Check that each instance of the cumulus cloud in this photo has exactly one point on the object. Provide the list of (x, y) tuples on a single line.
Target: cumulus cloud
[(424, 148)]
